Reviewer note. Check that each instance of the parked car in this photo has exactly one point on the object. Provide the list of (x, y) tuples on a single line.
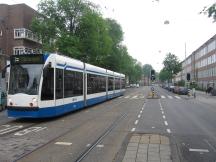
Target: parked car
[(171, 88), (176, 89), (183, 90)]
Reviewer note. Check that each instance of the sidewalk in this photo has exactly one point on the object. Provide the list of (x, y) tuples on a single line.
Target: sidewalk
[(148, 148)]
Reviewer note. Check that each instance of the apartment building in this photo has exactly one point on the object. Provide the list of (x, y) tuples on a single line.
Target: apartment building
[(15, 34), (201, 64)]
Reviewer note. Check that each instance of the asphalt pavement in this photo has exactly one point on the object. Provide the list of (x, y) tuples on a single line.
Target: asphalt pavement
[(103, 133)]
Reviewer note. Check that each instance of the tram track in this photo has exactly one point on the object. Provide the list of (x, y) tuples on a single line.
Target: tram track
[(98, 140)]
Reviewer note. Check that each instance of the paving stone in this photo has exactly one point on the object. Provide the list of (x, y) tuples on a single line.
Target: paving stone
[(143, 146), (135, 139), (153, 157), (128, 160), (164, 140), (142, 151), (154, 145), (144, 156), (133, 144), (153, 150), (131, 148), (155, 139), (165, 157), (153, 154), (165, 160), (141, 159), (144, 139)]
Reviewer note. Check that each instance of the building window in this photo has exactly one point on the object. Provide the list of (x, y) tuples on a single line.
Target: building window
[(1, 33), (1, 51), (25, 33), (25, 50)]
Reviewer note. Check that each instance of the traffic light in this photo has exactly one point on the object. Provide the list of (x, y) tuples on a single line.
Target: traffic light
[(152, 75), (188, 76)]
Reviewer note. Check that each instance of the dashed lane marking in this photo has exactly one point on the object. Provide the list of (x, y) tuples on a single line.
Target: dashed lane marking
[(100, 146), (127, 97), (64, 143), (141, 112), (139, 116), (177, 97), (170, 97), (133, 129), (134, 97), (164, 116), (198, 150), (163, 97), (168, 130), (88, 145), (162, 112), (136, 122), (165, 122), (121, 97)]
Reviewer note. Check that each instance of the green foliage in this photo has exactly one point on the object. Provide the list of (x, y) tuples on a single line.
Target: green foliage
[(181, 83), (147, 69), (77, 29), (210, 11), (172, 64), (165, 75)]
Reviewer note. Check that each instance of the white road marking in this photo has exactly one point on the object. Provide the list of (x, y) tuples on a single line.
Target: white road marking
[(177, 97), (6, 125), (168, 130), (162, 112), (29, 130), (140, 112), (142, 108), (142, 97), (64, 143), (133, 129), (198, 150), (127, 97), (136, 122), (210, 145), (170, 97), (121, 97), (165, 122), (164, 116), (10, 129), (88, 145), (100, 146), (153, 127), (139, 116), (134, 97), (163, 97)]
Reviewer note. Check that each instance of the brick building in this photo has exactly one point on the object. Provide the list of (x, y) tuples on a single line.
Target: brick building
[(201, 64), (15, 36)]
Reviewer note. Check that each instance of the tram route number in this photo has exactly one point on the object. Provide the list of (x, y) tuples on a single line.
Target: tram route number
[(9, 128)]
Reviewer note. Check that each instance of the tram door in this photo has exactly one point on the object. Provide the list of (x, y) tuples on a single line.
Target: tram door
[(59, 89)]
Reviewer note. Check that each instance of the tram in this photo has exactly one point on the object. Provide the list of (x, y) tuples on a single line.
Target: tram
[(49, 85)]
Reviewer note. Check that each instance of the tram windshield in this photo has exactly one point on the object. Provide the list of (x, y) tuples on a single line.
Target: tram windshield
[(25, 78)]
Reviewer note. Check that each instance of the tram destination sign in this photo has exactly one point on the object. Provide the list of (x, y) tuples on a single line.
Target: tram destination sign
[(27, 59)]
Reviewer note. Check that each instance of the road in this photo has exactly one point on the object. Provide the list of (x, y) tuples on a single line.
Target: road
[(101, 133)]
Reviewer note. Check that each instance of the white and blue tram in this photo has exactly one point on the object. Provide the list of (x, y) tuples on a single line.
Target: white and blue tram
[(50, 85)]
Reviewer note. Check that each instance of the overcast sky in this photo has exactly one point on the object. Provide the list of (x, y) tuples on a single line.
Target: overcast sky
[(145, 35)]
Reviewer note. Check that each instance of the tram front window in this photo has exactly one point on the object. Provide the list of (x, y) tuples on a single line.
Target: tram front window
[(25, 78)]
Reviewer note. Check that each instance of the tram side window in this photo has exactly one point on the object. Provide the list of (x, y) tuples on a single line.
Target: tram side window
[(123, 83), (95, 83), (117, 83), (48, 85), (73, 83), (110, 84), (59, 83)]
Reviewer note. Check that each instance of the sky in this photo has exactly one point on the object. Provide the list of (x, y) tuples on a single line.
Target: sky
[(146, 36)]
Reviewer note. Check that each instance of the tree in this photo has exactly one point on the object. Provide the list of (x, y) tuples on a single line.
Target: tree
[(172, 64), (147, 69), (165, 75), (210, 11)]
